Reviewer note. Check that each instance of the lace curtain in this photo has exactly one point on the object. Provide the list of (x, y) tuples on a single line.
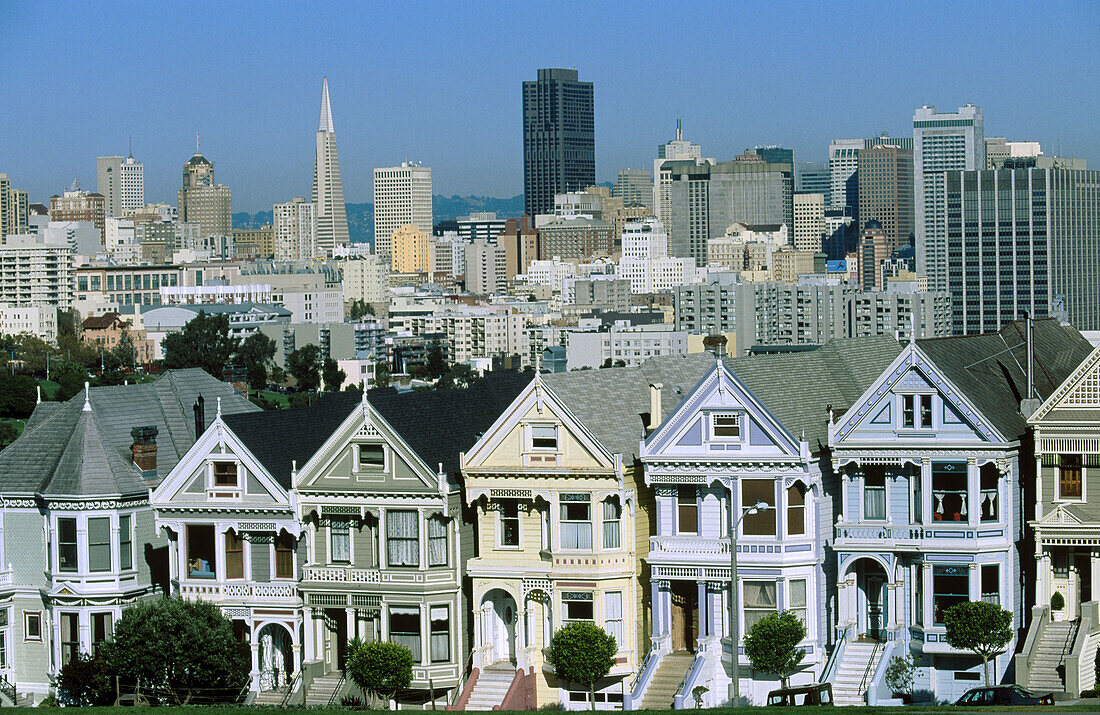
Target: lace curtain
[(437, 542), (403, 538)]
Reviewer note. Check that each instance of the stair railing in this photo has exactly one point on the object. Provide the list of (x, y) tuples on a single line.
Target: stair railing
[(337, 689), (683, 690), (870, 667), (1067, 647), (833, 659), (463, 675), (641, 680), (295, 682), (9, 690)]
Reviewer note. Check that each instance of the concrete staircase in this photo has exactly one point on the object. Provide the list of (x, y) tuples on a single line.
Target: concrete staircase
[(322, 689), (1047, 665), (662, 688), (851, 669), (491, 686), (270, 698)]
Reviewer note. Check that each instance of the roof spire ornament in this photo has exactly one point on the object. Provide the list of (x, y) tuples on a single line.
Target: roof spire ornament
[(219, 413), (38, 388), (87, 397), (913, 327)]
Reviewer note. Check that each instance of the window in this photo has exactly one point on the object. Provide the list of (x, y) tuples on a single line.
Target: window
[(32, 625), (509, 522), (200, 551), (403, 538), (988, 477), (874, 493), (284, 555), (759, 601), (66, 545), (613, 616), (101, 628), (437, 541), (612, 523), (727, 427), (576, 521), (916, 411), (440, 634), (687, 511), (908, 413), (796, 509), (1069, 476), (405, 628), (225, 474), (915, 480), (925, 410), (950, 585), (1059, 563), (99, 544), (125, 543), (544, 436), (234, 555), (991, 583), (577, 606), (70, 637), (798, 598), (918, 595), (339, 536), (372, 457), (949, 491), (762, 523)]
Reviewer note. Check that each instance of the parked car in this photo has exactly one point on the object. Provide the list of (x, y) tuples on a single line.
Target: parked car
[(806, 695), (1004, 695)]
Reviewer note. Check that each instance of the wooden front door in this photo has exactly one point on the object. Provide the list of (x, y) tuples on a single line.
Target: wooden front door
[(685, 615)]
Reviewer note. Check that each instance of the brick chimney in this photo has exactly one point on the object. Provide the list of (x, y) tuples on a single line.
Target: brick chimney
[(144, 450)]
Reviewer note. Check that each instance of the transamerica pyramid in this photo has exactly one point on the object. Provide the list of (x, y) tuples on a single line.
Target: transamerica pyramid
[(328, 191)]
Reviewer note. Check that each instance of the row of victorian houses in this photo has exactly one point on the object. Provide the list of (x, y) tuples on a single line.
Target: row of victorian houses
[(468, 525)]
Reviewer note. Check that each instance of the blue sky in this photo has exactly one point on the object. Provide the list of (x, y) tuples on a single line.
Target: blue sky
[(440, 83)]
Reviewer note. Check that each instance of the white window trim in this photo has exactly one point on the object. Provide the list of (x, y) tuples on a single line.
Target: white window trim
[(916, 428), (1058, 485), (500, 528), (531, 437), (386, 459), (28, 638), (591, 522), (712, 421), (885, 496), (328, 547), (212, 489), (676, 510)]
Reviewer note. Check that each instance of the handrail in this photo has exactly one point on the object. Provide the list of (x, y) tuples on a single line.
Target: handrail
[(641, 680), (834, 657), (870, 664), (641, 669), (689, 679), (336, 690), (8, 689), (463, 675), (296, 680), (1075, 625)]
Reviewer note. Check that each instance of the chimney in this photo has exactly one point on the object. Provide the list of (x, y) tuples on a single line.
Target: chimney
[(654, 406), (144, 450), (200, 417)]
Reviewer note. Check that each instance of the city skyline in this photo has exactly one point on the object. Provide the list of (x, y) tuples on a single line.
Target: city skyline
[(458, 108)]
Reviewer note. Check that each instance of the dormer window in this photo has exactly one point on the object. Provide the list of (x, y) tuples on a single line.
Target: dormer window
[(916, 411), (544, 437), (372, 457), (726, 426), (225, 474)]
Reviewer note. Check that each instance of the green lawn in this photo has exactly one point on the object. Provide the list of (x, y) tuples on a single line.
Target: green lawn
[(19, 424), (49, 389), (277, 397), (1090, 706)]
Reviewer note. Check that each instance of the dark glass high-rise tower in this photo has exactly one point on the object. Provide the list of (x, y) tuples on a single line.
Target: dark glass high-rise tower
[(559, 138)]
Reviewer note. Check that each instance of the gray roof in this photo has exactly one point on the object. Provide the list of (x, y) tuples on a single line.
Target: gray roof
[(68, 451), (797, 388), (991, 368)]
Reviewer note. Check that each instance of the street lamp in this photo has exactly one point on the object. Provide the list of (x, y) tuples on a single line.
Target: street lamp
[(735, 624)]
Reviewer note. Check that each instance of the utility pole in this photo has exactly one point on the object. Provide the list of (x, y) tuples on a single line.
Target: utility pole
[(735, 624)]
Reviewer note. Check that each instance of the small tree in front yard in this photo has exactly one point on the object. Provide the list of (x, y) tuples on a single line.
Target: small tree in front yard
[(772, 644), (86, 681), (899, 674), (582, 653), (979, 627), (381, 669)]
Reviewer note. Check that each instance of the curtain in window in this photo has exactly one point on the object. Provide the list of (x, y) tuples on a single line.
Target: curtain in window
[(611, 525), (441, 635), (405, 629), (613, 616), (437, 542), (403, 538), (759, 601), (340, 533)]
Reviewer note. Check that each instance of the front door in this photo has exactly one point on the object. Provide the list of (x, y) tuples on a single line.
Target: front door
[(876, 608), (1084, 579), (685, 615), (336, 627)]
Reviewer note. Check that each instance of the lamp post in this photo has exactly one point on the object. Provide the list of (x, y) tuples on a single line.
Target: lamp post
[(735, 624)]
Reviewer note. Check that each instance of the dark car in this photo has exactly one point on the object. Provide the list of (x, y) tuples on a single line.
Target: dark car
[(1004, 695), (807, 695)]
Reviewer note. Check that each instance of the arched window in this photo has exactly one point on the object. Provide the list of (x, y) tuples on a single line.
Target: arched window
[(612, 523)]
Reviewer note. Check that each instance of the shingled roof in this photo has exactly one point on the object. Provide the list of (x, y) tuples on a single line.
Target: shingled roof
[(991, 368), (69, 451)]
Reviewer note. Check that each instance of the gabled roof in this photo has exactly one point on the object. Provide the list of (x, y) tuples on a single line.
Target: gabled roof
[(991, 368), (100, 322), (1077, 399), (279, 438), (70, 451)]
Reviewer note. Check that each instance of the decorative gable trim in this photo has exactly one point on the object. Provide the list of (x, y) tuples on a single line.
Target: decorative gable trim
[(1081, 390), (1058, 516), (911, 358)]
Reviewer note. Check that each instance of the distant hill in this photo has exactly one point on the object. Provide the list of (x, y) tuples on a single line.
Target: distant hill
[(444, 208)]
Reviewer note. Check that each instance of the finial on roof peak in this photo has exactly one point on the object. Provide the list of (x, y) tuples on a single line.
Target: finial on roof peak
[(219, 413), (38, 388), (87, 397)]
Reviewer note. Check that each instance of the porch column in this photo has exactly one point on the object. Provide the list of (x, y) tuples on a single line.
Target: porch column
[(894, 597), (310, 653), (1094, 565), (353, 625), (521, 634), (1043, 567), (701, 608), (479, 639), (296, 656), (845, 485), (254, 647), (655, 607), (973, 496), (928, 507)]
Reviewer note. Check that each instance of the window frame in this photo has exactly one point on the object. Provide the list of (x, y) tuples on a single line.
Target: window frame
[(238, 558), (432, 632), (873, 490), (276, 551), (503, 518), (383, 468), (611, 527), (446, 537), (215, 484), (125, 542), (99, 546), (578, 597), (761, 610), (345, 531), (564, 505), (531, 437), (419, 634), (937, 614), (737, 427), (690, 505), (796, 514), (617, 632), (795, 608), (1058, 480), (27, 617), (402, 539), (983, 594), (108, 630), (749, 520), (73, 545)]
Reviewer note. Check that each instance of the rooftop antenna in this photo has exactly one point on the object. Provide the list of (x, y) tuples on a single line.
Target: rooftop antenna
[(196, 142), (131, 146), (679, 131)]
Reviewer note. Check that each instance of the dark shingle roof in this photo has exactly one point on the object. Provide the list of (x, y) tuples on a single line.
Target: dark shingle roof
[(278, 438), (991, 368)]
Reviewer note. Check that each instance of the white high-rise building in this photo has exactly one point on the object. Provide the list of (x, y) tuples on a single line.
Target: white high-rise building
[(295, 230), (328, 190), (121, 240), (402, 197), (645, 261), (121, 181), (676, 150), (809, 221), (942, 142)]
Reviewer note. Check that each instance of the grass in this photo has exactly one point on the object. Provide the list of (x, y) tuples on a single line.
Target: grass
[(277, 397), (1088, 706), (19, 424)]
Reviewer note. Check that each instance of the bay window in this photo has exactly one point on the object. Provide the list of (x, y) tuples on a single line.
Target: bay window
[(403, 538), (66, 545), (440, 634), (796, 510), (200, 551), (991, 583), (612, 523), (577, 606), (613, 616), (405, 628), (988, 477), (949, 491), (437, 541), (576, 521), (950, 585), (762, 523), (125, 543), (234, 555), (798, 598), (99, 543), (874, 493), (759, 600)]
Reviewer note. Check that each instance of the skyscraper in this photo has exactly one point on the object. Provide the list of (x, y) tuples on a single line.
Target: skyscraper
[(402, 197), (676, 150), (843, 161), (559, 138), (122, 183), (14, 209), (294, 226), (947, 141), (328, 191), (634, 186), (885, 181), (1034, 248), (78, 205), (809, 221), (202, 201)]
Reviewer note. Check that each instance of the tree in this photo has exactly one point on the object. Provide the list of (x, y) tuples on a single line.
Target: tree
[(899, 674), (382, 374), (186, 648), (304, 366), (204, 342), (255, 352), (124, 352), (18, 395), (333, 375), (359, 308), (8, 434), (772, 644), (437, 364), (582, 653), (979, 627), (86, 681), (379, 668), (70, 377)]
